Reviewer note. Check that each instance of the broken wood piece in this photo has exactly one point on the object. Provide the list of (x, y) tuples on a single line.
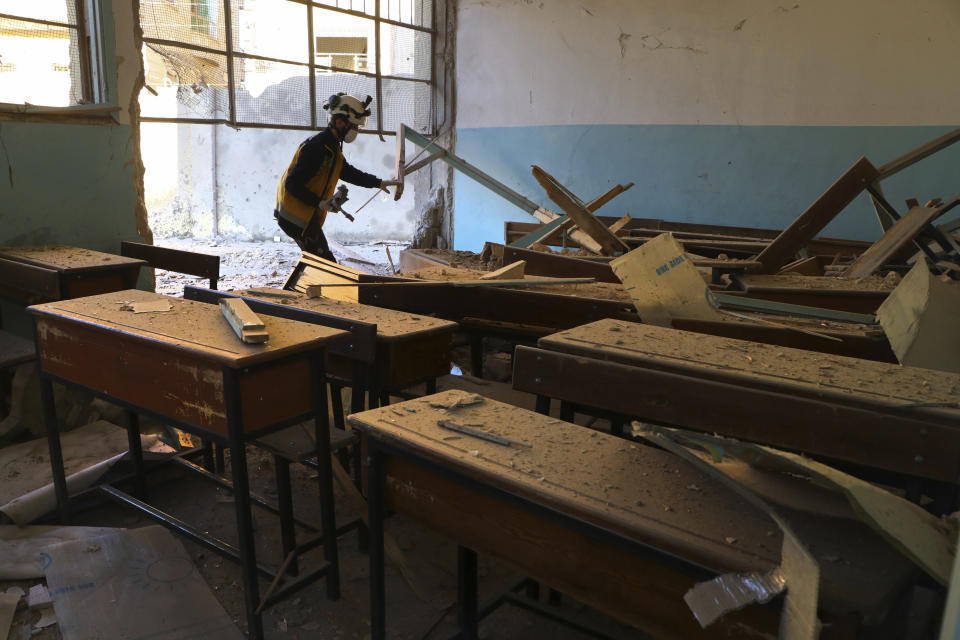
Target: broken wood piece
[(151, 307), (581, 238), (512, 270), (804, 266), (401, 161), (619, 224), (610, 243), (466, 400), (316, 290), (596, 203), (544, 233), (824, 209), (244, 322), (901, 234)]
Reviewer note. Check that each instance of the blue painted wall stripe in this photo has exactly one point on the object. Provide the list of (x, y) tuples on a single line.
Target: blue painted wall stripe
[(757, 176)]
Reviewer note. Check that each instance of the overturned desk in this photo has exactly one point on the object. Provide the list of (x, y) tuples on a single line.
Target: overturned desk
[(873, 414), (182, 363), (613, 524)]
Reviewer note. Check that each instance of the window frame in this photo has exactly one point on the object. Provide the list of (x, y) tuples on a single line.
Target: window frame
[(89, 34), (317, 122)]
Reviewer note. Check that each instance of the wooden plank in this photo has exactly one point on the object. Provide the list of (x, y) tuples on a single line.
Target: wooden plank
[(473, 172), (610, 243), (619, 224), (853, 344), (900, 235), (577, 235), (804, 266), (596, 203), (544, 233), (512, 270), (919, 154), (401, 161), (416, 259), (190, 262), (747, 303), (818, 215), (243, 321)]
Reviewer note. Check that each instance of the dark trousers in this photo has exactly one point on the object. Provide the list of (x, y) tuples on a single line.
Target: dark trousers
[(310, 239)]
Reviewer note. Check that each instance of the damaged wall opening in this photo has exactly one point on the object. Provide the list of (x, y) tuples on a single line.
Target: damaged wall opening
[(232, 88)]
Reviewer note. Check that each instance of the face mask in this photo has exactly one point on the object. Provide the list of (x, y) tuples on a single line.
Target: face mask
[(350, 136)]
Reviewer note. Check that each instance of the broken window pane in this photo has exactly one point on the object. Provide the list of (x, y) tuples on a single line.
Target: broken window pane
[(42, 61)]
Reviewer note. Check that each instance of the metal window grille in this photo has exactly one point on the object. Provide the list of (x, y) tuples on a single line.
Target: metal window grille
[(39, 41), (274, 63)]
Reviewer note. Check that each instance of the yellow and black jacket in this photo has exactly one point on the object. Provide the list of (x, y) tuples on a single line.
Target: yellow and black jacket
[(312, 177)]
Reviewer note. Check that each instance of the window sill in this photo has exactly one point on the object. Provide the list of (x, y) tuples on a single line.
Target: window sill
[(78, 114)]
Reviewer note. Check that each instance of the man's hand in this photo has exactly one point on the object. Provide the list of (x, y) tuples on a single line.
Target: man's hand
[(389, 183), (330, 204)]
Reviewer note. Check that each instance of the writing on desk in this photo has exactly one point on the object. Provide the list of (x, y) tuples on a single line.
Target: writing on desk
[(73, 587), (662, 269)]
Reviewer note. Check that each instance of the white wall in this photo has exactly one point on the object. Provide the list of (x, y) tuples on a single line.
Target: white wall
[(814, 62)]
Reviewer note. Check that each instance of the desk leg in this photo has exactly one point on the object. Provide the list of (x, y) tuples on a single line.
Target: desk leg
[(431, 386), (360, 375), (566, 411), (376, 488), (56, 453), (241, 500), (467, 616), (288, 532), (132, 422), (321, 424), (476, 355), (543, 405)]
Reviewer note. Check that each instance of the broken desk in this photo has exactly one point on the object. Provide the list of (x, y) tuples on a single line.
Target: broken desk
[(876, 415), (185, 366), (623, 527)]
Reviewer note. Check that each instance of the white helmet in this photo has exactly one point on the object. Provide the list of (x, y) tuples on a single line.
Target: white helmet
[(344, 104)]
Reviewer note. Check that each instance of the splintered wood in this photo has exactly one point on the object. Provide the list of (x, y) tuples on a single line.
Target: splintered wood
[(245, 323)]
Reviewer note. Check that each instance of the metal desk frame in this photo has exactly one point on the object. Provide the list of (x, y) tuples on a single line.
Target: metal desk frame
[(236, 439)]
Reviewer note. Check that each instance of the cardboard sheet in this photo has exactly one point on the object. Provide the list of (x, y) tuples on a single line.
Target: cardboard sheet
[(135, 584), (664, 284)]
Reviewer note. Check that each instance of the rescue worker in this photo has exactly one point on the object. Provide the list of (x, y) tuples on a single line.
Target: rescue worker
[(305, 192)]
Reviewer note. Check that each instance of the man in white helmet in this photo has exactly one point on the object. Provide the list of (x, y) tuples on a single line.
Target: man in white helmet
[(306, 188)]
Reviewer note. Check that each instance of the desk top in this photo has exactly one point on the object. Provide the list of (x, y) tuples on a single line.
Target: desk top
[(68, 260), (640, 492), (761, 365), (191, 326), (391, 325), (637, 491)]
